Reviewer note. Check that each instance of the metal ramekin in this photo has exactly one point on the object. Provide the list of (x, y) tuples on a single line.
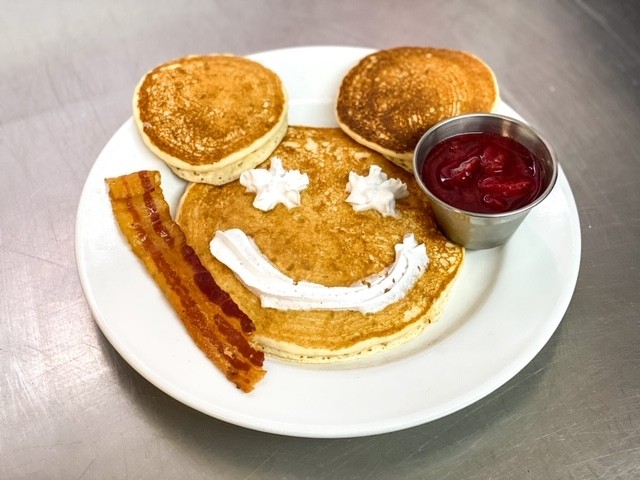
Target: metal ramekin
[(484, 230)]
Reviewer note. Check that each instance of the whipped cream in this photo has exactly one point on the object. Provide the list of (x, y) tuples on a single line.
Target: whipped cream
[(275, 185), (276, 290), (375, 192)]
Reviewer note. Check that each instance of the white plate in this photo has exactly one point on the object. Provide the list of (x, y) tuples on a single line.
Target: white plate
[(504, 307)]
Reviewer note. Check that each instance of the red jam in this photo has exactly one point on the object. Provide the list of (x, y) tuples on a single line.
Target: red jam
[(483, 173)]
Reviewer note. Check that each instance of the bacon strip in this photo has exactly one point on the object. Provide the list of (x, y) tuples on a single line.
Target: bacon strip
[(219, 328)]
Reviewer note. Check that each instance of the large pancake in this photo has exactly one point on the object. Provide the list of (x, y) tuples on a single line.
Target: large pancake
[(392, 97), (325, 241), (211, 117)]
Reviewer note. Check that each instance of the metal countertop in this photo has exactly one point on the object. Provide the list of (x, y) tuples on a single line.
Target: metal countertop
[(71, 407)]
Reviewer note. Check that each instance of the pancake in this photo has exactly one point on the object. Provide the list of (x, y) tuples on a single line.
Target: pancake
[(211, 117), (325, 241), (392, 97)]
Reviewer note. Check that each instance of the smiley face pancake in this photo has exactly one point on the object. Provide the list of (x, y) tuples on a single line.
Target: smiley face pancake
[(326, 241)]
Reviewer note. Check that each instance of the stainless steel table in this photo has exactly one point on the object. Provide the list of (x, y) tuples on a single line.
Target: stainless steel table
[(71, 407)]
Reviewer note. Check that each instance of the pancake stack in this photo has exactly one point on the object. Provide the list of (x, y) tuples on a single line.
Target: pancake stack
[(211, 117), (392, 97), (325, 241)]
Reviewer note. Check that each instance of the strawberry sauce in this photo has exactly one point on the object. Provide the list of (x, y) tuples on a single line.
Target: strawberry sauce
[(483, 173)]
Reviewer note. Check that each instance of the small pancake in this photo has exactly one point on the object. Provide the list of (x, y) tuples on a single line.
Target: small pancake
[(211, 117), (325, 241), (392, 97)]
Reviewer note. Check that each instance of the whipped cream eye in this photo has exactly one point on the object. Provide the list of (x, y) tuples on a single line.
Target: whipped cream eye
[(274, 186), (375, 192)]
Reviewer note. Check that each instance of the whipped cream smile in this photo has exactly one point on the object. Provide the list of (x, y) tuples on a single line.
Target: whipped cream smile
[(276, 290)]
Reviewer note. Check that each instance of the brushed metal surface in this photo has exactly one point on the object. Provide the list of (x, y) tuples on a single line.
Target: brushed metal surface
[(70, 407)]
